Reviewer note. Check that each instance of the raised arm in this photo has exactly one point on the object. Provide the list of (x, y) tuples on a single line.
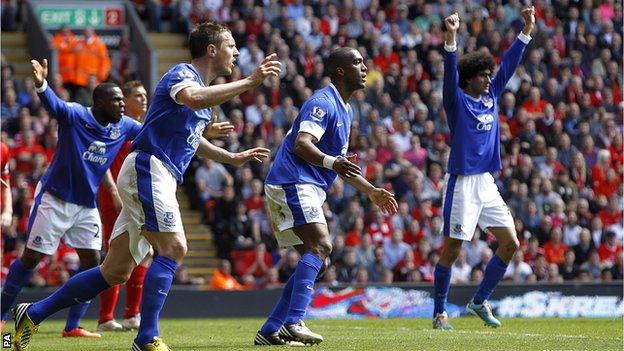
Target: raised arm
[(197, 98), (451, 77), (514, 53), (57, 108)]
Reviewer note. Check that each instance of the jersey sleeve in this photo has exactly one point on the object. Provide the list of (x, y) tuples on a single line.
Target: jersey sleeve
[(450, 88), (510, 62), (133, 129), (314, 116), (181, 78), (65, 113)]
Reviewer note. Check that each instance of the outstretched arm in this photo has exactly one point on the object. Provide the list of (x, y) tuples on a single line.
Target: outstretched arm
[(305, 148), (379, 196), (198, 98), (514, 53), (451, 77), (213, 152), (58, 108)]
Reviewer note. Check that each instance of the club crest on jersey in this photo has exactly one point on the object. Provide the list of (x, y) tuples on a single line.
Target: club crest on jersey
[(485, 122), (96, 153), (115, 133), (318, 113), (185, 73), (37, 241), (458, 228), (488, 101), (169, 218)]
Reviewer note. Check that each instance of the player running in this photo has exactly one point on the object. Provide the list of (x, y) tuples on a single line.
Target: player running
[(306, 164), (470, 195), (65, 198), (171, 135)]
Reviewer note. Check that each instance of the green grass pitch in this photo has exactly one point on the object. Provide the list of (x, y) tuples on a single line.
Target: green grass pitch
[(369, 334)]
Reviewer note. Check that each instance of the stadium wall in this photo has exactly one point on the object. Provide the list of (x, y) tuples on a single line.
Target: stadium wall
[(509, 300)]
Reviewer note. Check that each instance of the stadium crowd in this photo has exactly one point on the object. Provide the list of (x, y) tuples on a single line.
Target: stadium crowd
[(561, 138)]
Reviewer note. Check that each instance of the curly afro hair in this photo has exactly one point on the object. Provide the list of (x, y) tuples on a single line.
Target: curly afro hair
[(471, 64)]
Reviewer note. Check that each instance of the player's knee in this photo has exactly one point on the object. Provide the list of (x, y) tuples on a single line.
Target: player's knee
[(116, 275), (176, 250), (89, 258), (512, 246), (324, 248), (30, 259)]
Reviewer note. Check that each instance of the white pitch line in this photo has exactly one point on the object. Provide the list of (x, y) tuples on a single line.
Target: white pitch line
[(518, 335)]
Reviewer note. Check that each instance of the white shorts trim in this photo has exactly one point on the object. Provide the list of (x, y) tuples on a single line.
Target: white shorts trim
[(147, 190), (471, 200), (293, 206), (52, 219)]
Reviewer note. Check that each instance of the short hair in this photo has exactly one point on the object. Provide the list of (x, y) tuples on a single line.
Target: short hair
[(339, 57), (102, 90), (128, 87), (203, 35), (471, 64)]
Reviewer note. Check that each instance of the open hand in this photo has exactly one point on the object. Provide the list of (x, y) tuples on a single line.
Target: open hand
[(270, 66), (39, 71), (385, 200), (258, 154), (218, 129), (344, 167)]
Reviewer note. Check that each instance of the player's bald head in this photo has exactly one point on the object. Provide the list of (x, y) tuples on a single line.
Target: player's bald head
[(340, 58)]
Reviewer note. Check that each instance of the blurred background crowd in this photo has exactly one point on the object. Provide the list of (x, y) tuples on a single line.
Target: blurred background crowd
[(561, 136)]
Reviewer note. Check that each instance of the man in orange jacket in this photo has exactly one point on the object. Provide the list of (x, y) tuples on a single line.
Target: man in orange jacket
[(65, 43), (91, 59)]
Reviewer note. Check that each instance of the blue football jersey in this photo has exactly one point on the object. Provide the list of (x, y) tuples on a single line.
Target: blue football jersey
[(475, 136), (328, 118), (172, 131), (84, 152)]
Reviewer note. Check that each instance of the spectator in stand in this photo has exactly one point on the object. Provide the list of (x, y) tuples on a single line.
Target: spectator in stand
[(287, 268), (394, 249), (569, 270), (554, 249), (609, 249), (593, 266), (211, 179), (518, 271), (65, 43), (222, 278), (347, 271), (377, 268), (92, 60)]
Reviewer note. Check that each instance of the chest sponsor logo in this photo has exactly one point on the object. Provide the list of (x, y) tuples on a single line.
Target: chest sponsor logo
[(486, 121), (96, 153), (195, 137)]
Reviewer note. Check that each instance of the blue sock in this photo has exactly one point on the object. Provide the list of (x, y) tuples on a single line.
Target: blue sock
[(303, 283), (494, 272), (76, 312), (278, 316), (441, 285), (17, 278), (155, 289), (80, 288)]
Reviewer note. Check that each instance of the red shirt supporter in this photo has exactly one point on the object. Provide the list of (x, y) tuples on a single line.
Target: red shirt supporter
[(609, 249), (380, 229), (554, 248), (24, 153), (385, 59)]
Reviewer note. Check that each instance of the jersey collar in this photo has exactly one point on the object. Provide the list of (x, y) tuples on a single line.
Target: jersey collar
[(344, 104)]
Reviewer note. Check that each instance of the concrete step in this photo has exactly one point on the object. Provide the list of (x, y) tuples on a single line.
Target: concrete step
[(201, 262), (12, 39), (201, 246), (204, 254), (196, 228), (191, 218), (173, 55), (205, 272), (199, 236), (167, 40), (22, 68)]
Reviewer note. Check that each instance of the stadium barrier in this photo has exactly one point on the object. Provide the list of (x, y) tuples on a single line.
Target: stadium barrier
[(381, 301)]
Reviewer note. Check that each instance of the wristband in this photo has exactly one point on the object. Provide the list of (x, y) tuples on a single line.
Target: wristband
[(43, 87), (328, 161)]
